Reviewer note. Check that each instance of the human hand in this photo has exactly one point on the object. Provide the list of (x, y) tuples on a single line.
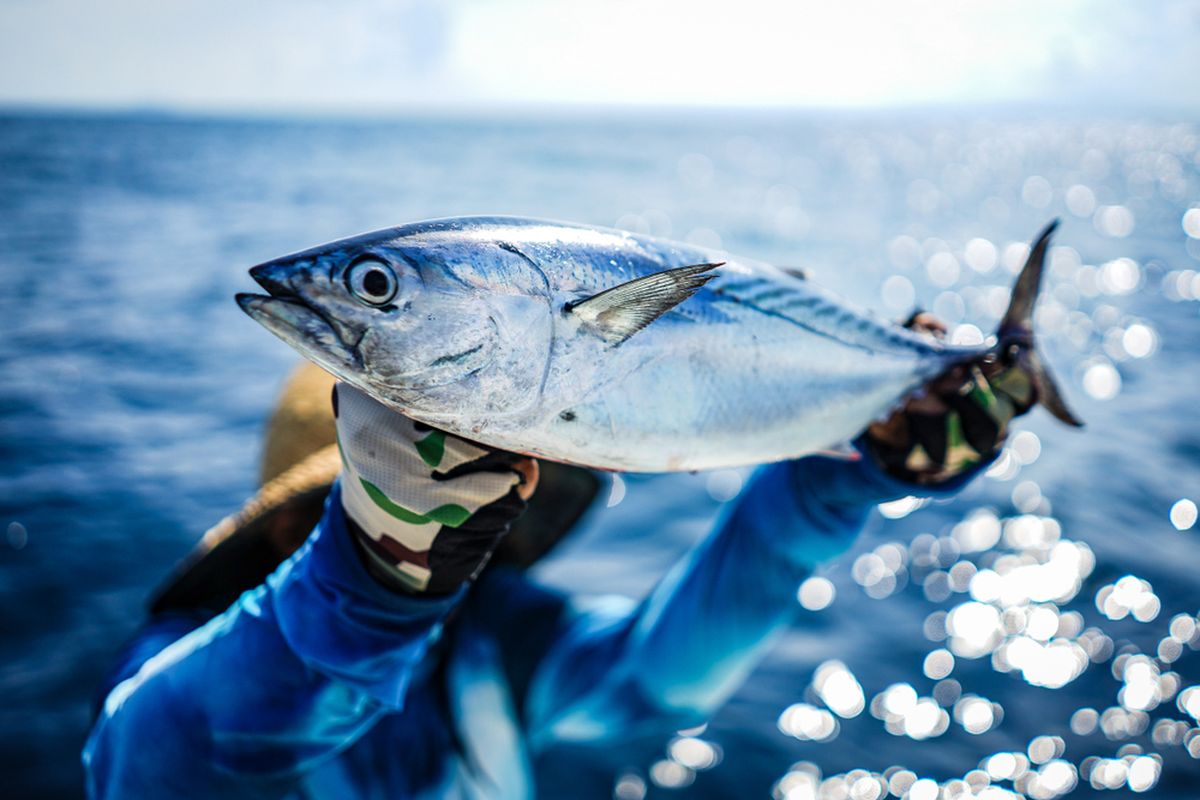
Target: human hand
[(427, 507), (957, 421)]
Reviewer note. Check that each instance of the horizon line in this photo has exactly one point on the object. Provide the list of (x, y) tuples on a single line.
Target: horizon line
[(559, 109)]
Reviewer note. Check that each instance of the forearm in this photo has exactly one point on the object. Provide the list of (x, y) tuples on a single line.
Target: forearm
[(710, 621), (292, 673), (680, 654)]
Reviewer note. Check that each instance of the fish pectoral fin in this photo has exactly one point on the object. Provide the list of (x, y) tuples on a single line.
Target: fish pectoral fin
[(618, 313)]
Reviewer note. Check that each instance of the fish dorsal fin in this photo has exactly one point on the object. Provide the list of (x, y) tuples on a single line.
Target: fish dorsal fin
[(618, 313)]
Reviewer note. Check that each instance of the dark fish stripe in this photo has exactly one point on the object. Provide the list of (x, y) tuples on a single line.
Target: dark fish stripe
[(771, 294), (742, 285), (801, 302), (451, 359)]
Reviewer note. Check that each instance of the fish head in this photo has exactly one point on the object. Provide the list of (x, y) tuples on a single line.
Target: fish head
[(421, 324)]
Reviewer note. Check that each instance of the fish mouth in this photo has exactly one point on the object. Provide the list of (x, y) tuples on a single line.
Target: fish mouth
[(300, 325)]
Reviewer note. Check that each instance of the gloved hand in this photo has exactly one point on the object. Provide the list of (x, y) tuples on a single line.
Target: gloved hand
[(958, 421), (426, 508)]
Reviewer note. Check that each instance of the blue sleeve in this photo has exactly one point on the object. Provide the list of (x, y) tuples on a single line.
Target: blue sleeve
[(294, 672), (672, 660)]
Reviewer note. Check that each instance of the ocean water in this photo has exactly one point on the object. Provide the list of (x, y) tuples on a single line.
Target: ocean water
[(1038, 633)]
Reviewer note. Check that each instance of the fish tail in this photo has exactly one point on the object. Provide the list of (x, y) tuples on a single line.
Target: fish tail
[(1015, 339)]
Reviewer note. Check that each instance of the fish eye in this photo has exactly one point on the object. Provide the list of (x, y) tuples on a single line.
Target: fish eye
[(372, 282)]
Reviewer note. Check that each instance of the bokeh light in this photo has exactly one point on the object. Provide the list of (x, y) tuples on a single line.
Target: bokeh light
[(839, 689), (1183, 514), (816, 593)]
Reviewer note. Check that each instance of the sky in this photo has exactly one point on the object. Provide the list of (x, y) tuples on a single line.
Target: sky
[(384, 56)]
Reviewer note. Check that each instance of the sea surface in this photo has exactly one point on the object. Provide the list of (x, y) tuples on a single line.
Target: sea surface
[(1038, 633)]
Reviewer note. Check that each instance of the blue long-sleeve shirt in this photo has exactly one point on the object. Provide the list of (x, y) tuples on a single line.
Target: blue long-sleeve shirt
[(323, 683)]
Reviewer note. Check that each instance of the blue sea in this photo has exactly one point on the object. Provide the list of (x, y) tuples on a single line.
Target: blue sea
[(1036, 635)]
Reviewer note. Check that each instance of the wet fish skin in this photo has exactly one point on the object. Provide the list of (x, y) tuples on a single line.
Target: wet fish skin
[(758, 365)]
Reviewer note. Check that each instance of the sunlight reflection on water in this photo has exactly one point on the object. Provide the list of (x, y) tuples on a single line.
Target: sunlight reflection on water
[(1018, 572), (160, 387)]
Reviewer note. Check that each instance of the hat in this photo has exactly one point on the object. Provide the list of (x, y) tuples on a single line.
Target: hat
[(302, 422), (300, 462)]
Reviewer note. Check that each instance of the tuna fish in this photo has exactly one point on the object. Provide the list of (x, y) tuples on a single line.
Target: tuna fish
[(608, 349)]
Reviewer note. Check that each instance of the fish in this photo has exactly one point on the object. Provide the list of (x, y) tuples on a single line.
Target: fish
[(612, 350)]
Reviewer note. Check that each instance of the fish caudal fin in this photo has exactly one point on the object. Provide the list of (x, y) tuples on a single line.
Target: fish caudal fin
[(1019, 315), (618, 313), (1047, 392), (1015, 334)]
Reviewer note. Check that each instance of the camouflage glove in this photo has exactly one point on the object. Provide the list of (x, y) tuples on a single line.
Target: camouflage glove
[(426, 508), (959, 420)]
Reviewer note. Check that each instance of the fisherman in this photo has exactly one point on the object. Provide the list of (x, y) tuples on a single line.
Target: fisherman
[(364, 667)]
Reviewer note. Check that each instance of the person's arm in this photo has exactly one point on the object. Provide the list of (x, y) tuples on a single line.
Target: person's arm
[(292, 673), (672, 660), (298, 669)]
